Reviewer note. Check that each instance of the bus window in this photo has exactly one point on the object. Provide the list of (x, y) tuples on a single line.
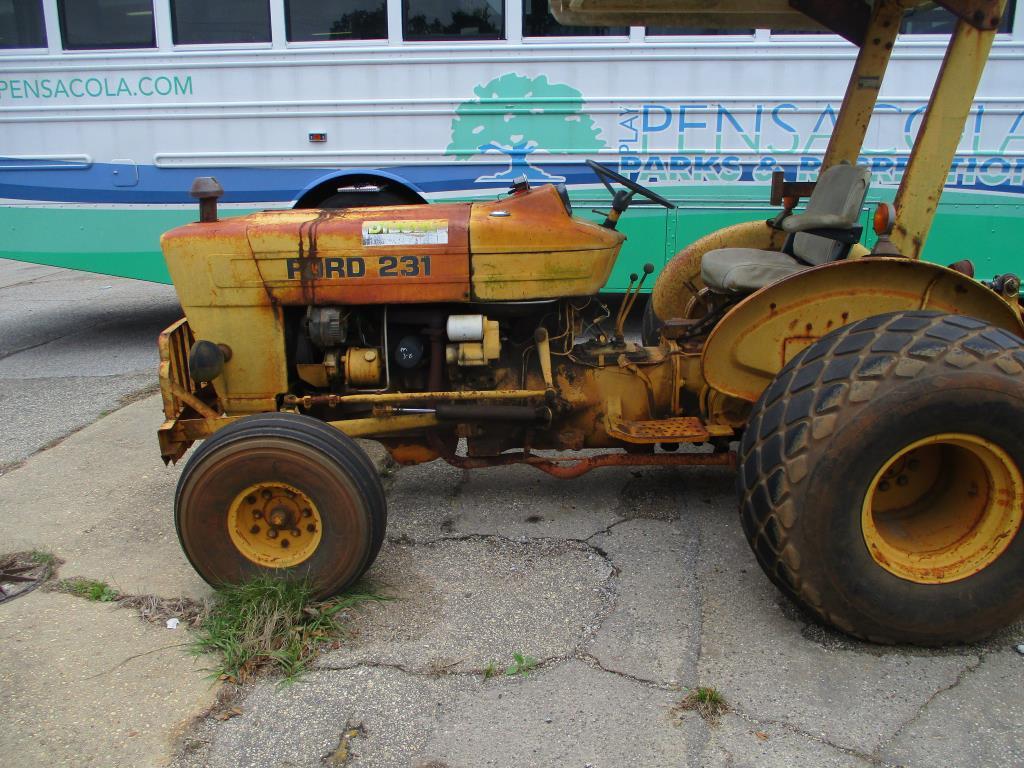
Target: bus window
[(90, 24), (453, 19), (194, 22), (690, 31), (538, 22), (339, 20), (21, 24), (928, 19), (932, 20)]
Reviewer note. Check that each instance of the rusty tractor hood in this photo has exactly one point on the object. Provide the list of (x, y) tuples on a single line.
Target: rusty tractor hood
[(521, 247)]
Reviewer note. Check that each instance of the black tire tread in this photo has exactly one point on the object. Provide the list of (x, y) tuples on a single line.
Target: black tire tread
[(335, 444), (838, 375)]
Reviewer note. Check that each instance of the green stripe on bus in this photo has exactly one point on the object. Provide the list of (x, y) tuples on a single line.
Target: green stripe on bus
[(982, 227), (68, 237)]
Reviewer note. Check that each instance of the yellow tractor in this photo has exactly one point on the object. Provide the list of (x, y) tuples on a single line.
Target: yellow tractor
[(871, 403)]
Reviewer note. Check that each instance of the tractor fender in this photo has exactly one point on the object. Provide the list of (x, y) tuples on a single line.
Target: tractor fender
[(679, 280), (762, 333)]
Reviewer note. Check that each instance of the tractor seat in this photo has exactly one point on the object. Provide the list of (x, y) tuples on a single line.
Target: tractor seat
[(824, 232)]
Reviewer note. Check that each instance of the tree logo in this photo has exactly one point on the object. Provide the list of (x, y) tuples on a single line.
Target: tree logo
[(517, 116)]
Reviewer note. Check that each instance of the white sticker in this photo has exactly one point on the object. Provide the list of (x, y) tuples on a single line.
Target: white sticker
[(425, 232)]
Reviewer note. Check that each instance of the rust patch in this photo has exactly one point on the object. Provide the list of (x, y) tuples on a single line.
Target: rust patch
[(568, 468), (793, 345), (310, 270), (323, 259)]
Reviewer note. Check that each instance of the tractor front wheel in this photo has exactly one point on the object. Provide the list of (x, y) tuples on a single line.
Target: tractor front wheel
[(282, 494), (882, 478)]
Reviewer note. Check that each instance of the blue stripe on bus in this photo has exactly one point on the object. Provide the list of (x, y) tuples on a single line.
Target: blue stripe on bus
[(95, 183)]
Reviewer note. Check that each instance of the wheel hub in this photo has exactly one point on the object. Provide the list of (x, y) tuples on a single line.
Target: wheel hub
[(280, 517), (274, 524), (943, 508)]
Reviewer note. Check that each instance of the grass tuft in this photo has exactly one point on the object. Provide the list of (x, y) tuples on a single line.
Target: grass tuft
[(42, 557), (706, 702), (271, 624), (90, 589)]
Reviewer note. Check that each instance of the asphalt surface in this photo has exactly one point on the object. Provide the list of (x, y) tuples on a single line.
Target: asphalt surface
[(628, 588), (73, 346)]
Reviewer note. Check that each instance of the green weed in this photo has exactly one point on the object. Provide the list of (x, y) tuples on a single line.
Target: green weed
[(90, 589), (271, 624), (706, 702), (42, 557), (521, 665)]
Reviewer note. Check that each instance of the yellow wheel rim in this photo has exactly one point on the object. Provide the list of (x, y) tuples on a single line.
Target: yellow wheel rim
[(943, 508), (274, 525)]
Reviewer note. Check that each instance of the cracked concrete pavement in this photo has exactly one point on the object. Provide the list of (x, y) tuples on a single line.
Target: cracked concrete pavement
[(652, 593), (627, 586)]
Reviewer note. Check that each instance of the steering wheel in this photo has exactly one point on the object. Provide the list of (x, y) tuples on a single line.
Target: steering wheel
[(607, 175)]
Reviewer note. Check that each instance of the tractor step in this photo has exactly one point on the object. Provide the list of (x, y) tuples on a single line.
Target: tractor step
[(680, 429)]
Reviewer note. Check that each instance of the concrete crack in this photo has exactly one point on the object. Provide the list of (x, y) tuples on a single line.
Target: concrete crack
[(593, 661), (698, 757), (439, 672), (542, 664), (394, 666), (26, 348), (132, 658), (606, 530), (78, 331), (50, 277), (698, 606), (759, 721), (969, 667)]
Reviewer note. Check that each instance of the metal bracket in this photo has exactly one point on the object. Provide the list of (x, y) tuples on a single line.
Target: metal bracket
[(981, 14), (850, 20), (782, 188)]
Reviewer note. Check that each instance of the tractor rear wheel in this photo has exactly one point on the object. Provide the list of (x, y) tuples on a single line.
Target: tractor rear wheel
[(881, 478), (281, 494)]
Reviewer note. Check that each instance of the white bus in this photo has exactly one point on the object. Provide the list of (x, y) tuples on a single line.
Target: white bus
[(109, 109)]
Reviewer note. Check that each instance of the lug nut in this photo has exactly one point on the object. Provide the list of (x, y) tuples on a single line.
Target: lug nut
[(284, 543), (296, 531), (251, 498), (257, 513), (902, 480), (266, 493), (272, 533), (311, 528), (254, 529), (307, 512)]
